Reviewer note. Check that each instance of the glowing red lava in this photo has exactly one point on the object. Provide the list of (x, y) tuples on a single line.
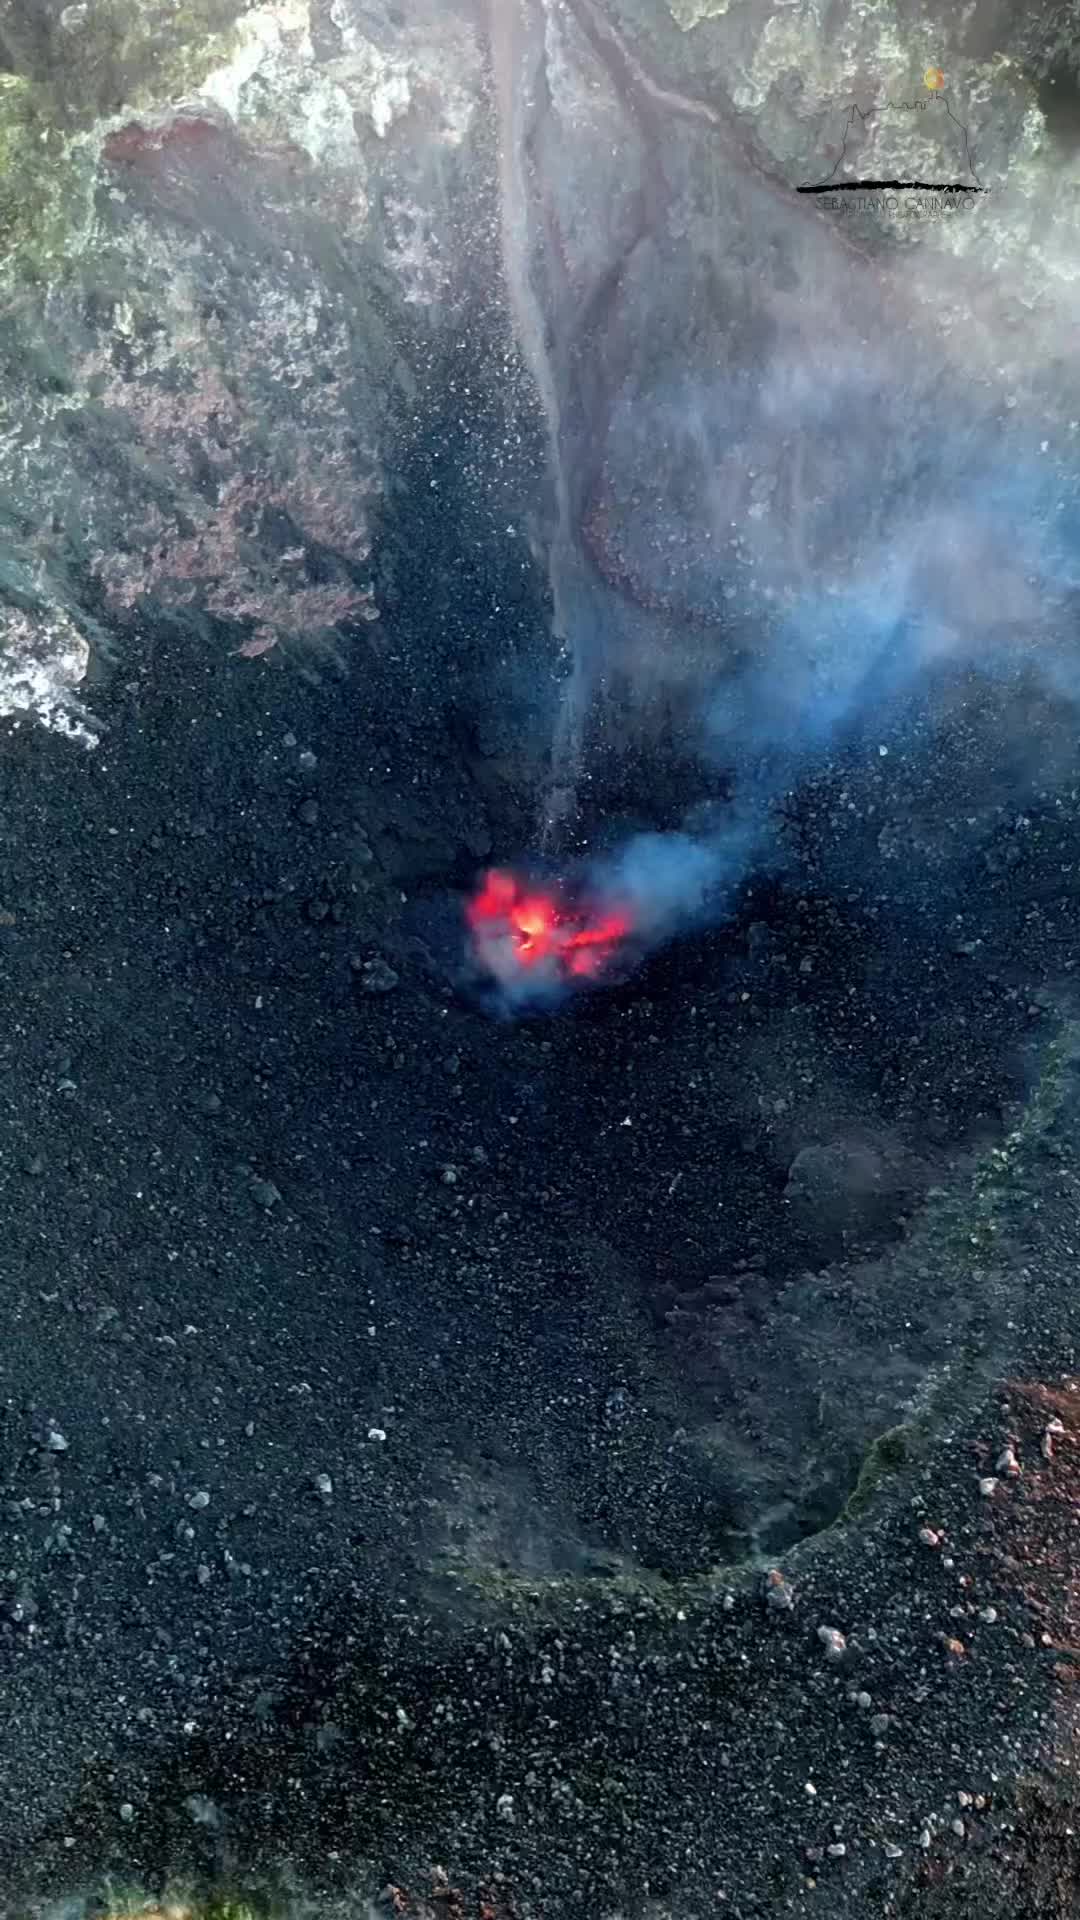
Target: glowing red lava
[(528, 938)]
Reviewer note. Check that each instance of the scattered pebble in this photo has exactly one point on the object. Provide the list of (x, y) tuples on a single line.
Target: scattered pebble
[(833, 1641), (55, 1442), (127, 1811), (837, 1850), (987, 1486), (376, 1433), (1008, 1463), (199, 1500), (324, 1485), (892, 1851), (880, 1724), (929, 1538), (264, 1193)]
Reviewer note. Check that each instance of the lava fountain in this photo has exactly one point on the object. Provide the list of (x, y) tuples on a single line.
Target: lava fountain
[(534, 942)]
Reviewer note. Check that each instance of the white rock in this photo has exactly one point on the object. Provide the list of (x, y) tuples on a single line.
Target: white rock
[(43, 658)]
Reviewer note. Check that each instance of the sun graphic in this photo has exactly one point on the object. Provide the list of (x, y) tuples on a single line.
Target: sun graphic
[(934, 79)]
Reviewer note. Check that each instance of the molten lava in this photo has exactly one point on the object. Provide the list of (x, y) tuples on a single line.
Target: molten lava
[(536, 940)]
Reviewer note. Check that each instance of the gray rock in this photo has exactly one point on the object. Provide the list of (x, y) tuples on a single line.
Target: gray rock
[(204, 1811), (376, 976), (834, 1643), (778, 1592)]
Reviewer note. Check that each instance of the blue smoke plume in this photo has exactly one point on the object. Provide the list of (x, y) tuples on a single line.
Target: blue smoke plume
[(982, 587)]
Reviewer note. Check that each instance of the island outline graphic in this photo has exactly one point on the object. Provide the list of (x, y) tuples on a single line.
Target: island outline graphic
[(934, 82)]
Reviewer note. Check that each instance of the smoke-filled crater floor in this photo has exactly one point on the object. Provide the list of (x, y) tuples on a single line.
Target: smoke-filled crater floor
[(735, 1169), (645, 1279), (444, 1196)]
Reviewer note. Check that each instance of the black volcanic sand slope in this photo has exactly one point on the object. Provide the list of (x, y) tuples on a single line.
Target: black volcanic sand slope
[(372, 1369)]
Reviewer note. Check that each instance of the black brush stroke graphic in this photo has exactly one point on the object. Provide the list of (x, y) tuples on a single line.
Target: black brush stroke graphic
[(899, 186)]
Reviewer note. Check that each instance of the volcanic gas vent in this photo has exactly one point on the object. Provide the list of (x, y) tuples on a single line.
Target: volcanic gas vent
[(534, 938), (535, 941)]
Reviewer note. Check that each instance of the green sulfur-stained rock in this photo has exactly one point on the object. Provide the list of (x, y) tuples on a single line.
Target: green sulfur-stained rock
[(42, 178), (108, 58), (117, 54), (181, 1906), (889, 1453)]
